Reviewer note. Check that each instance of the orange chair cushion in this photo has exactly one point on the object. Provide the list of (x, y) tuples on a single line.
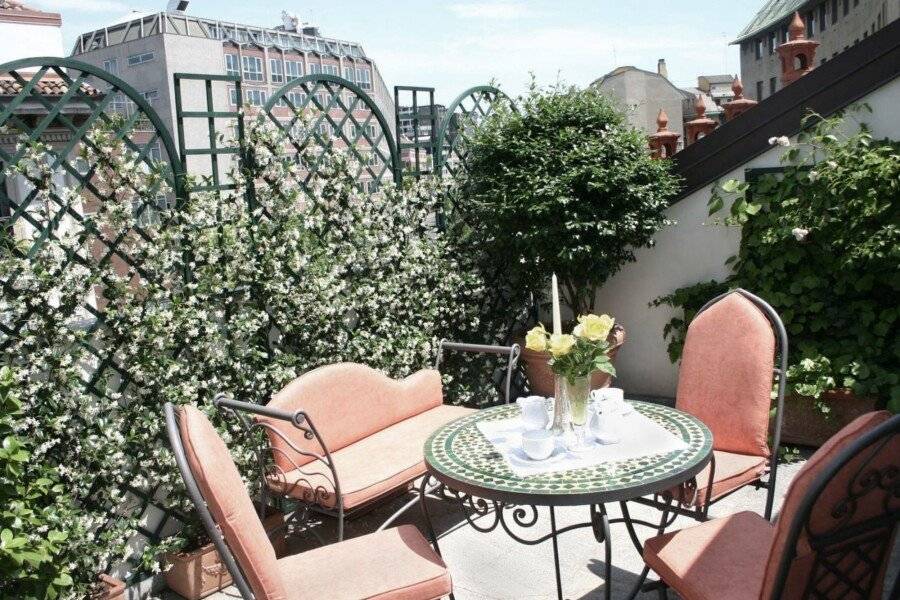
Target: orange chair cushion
[(395, 564), (229, 503), (347, 402), (722, 558), (726, 374), (732, 471), (835, 491), (371, 467)]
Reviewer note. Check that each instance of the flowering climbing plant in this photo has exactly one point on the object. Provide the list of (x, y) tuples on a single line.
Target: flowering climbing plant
[(237, 291)]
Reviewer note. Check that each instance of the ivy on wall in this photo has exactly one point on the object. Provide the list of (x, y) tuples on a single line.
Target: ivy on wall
[(820, 241)]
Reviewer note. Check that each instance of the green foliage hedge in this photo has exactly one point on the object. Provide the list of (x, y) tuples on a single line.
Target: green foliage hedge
[(563, 185), (820, 241)]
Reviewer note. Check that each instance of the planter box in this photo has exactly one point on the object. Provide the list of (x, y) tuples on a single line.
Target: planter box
[(805, 425), (541, 378), (108, 588), (197, 574)]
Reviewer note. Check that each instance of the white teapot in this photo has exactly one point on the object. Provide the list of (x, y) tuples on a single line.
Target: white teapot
[(534, 412)]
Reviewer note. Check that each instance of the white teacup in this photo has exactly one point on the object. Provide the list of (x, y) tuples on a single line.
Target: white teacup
[(538, 444), (534, 412)]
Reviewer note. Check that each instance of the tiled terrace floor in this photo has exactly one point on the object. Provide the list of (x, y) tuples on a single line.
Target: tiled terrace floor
[(494, 567)]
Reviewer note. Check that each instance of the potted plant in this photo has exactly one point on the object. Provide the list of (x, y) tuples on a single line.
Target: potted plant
[(563, 185)]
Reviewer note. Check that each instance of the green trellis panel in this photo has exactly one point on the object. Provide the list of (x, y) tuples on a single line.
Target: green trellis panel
[(87, 99)]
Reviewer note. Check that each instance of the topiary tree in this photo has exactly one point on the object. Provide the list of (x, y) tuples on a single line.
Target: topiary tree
[(564, 185)]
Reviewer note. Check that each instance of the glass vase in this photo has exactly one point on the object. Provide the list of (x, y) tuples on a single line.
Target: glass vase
[(562, 420), (577, 395)]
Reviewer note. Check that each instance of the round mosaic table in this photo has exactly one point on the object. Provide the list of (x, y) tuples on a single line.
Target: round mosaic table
[(471, 471)]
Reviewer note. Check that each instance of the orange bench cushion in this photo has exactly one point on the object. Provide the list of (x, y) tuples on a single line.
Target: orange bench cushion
[(723, 558), (395, 564), (732, 471), (371, 467)]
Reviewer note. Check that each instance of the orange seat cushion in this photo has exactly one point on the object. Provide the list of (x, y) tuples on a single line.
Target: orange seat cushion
[(723, 558), (371, 467), (395, 564), (726, 374), (732, 471)]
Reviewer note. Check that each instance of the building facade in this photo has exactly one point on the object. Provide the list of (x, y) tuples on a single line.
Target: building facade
[(147, 49), (835, 24), (644, 93)]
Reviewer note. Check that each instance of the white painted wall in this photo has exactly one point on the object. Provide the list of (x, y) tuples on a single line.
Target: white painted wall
[(21, 41), (690, 252)]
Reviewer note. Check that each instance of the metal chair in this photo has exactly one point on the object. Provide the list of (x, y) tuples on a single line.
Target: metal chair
[(396, 563), (833, 540), (742, 468)]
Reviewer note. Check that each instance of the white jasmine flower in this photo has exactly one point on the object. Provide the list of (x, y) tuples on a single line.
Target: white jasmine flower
[(799, 233)]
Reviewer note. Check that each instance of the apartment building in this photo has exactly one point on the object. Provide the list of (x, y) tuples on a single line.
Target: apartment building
[(147, 49), (835, 24)]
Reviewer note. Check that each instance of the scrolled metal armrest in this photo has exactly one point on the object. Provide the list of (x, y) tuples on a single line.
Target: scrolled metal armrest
[(298, 418)]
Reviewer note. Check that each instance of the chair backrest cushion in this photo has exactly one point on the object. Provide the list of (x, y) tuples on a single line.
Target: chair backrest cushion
[(347, 402), (229, 503), (726, 374), (822, 518)]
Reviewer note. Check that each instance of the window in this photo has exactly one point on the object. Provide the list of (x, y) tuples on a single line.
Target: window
[(772, 83), (822, 17), (364, 79), (111, 66), (834, 11), (155, 153), (315, 69), (252, 68), (350, 73), (772, 41), (293, 68), (139, 59), (297, 99), (276, 70), (846, 7), (784, 33), (151, 96), (810, 24), (759, 90), (231, 65), (232, 95), (330, 70), (758, 43), (119, 104), (255, 97)]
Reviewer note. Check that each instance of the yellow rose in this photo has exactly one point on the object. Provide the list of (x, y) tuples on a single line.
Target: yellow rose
[(560, 344), (594, 328), (536, 339)]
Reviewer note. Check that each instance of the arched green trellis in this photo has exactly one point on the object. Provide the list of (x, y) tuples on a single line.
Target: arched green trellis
[(328, 112), (50, 109), (466, 112)]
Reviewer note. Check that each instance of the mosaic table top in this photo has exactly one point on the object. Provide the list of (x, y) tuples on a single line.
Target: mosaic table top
[(461, 457)]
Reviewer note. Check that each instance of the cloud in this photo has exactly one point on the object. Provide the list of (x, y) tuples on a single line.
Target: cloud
[(82, 5), (493, 9)]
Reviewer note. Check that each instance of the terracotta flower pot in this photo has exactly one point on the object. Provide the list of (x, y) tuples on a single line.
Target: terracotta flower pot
[(805, 425), (541, 377), (108, 588), (201, 572)]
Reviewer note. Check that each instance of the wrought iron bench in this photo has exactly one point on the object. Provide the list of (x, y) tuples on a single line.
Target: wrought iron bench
[(366, 445)]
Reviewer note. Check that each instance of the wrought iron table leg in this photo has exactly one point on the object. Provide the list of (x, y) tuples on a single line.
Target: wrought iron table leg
[(600, 527), (626, 517), (559, 593)]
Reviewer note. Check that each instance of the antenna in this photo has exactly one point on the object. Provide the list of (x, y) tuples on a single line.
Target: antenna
[(177, 6)]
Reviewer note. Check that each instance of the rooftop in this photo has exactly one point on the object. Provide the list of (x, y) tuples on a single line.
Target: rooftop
[(140, 25), (771, 13)]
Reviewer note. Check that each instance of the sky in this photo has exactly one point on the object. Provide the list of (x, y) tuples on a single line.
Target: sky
[(454, 44)]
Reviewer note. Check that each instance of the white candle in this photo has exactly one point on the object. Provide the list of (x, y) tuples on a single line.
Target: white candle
[(557, 319)]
